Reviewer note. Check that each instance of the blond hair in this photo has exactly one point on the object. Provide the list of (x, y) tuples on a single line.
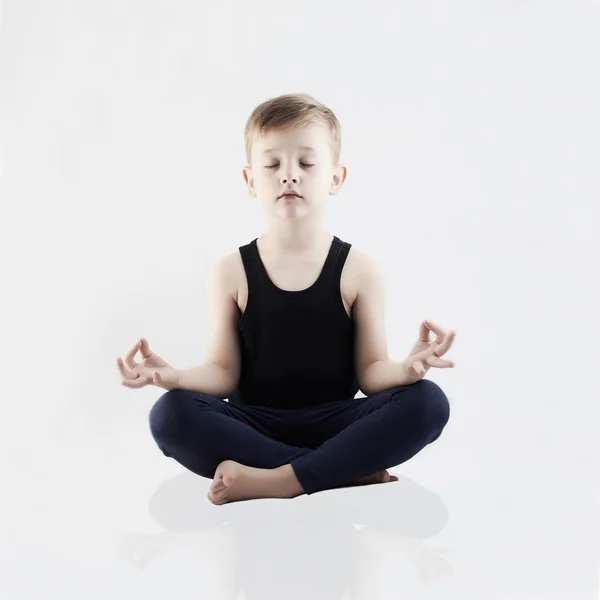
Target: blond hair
[(291, 110)]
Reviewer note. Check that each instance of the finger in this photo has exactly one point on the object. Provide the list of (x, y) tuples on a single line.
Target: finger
[(418, 358), (429, 351), (123, 370), (144, 348), (438, 362), (140, 382), (446, 344), (437, 330), (130, 356)]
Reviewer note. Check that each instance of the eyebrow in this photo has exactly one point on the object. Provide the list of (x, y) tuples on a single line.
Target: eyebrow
[(301, 148)]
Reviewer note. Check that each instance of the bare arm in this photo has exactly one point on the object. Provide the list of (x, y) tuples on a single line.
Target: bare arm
[(382, 375), (208, 378), (219, 375)]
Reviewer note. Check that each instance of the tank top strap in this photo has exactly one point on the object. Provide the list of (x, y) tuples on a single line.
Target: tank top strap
[(251, 265), (338, 258)]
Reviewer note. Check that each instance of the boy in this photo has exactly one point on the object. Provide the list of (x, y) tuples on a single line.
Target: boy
[(297, 328)]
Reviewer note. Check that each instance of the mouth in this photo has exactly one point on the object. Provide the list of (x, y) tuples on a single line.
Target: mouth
[(289, 196)]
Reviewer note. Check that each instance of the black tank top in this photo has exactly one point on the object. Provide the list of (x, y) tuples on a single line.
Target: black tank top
[(297, 347)]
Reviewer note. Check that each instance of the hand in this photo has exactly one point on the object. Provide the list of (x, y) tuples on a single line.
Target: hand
[(425, 353), (153, 370)]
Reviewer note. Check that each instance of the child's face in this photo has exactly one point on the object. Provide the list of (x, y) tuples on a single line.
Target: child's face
[(288, 166)]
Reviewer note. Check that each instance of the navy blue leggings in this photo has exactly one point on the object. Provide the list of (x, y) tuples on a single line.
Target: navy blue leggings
[(328, 445)]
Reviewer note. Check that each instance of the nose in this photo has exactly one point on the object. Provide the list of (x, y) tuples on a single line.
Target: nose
[(285, 180)]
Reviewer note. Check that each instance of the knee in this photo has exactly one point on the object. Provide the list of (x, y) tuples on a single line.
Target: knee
[(165, 415), (436, 402), (171, 415), (431, 403), (437, 407)]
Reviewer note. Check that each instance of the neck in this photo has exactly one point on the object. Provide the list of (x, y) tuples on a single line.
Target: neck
[(293, 239)]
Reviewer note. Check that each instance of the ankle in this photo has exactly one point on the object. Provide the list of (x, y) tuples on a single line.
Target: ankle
[(289, 481)]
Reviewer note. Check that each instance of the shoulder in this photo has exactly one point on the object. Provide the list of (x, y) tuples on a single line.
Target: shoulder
[(230, 262), (364, 266), (227, 270), (366, 270), (360, 257)]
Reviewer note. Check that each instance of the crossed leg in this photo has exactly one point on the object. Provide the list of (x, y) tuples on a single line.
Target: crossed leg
[(246, 460)]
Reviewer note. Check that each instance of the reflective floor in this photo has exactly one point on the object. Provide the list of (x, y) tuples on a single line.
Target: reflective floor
[(467, 519)]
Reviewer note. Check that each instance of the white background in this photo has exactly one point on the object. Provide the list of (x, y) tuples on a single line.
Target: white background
[(472, 134)]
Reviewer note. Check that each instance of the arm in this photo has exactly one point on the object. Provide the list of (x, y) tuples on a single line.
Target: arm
[(219, 375), (208, 378), (374, 370), (383, 375)]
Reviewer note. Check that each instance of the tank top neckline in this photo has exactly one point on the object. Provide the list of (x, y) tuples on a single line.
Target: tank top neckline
[(291, 293)]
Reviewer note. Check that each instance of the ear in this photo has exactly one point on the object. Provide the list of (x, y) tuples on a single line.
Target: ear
[(249, 179), (340, 172)]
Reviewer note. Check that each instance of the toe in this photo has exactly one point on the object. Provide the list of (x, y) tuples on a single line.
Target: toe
[(217, 485), (217, 494), (218, 498)]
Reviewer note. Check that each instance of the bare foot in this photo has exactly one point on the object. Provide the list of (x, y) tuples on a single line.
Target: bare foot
[(234, 481), (379, 477)]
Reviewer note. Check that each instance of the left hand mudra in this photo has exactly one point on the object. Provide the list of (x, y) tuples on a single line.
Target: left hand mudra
[(426, 354)]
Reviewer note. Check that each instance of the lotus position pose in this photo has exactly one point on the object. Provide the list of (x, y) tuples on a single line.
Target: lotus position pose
[(296, 321)]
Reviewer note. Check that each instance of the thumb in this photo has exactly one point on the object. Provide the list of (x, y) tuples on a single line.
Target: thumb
[(418, 367)]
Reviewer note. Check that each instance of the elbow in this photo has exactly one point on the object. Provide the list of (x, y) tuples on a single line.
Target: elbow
[(363, 380)]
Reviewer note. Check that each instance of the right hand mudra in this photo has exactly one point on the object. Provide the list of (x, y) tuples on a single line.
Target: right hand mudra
[(152, 370)]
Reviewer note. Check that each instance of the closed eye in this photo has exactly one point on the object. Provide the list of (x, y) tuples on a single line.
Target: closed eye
[(302, 164)]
